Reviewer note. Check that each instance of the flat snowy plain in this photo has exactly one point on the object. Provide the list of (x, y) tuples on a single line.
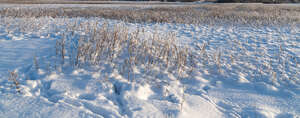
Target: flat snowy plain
[(240, 72)]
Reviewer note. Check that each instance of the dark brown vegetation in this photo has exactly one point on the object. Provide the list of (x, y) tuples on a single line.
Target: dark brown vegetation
[(259, 1)]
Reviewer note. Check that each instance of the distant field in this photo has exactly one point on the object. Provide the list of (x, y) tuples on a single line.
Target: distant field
[(79, 2), (188, 13)]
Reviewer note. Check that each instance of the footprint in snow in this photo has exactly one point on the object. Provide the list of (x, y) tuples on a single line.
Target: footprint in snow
[(106, 113), (174, 98), (51, 95), (252, 113), (206, 88), (286, 115), (87, 97), (228, 108)]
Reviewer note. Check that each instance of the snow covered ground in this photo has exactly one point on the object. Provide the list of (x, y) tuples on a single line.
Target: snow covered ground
[(240, 71)]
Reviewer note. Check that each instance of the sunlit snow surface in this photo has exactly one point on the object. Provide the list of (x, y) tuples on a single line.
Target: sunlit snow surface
[(245, 87)]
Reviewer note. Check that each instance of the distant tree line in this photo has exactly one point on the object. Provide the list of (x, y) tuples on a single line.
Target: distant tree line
[(237, 1), (178, 0), (259, 1)]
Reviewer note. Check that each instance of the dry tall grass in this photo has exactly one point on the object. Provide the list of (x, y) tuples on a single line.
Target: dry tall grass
[(123, 50), (13, 77), (254, 14)]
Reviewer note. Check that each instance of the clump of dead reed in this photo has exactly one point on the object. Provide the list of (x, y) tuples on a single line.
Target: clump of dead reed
[(125, 50)]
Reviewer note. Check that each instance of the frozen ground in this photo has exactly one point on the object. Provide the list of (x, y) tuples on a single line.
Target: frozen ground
[(258, 76)]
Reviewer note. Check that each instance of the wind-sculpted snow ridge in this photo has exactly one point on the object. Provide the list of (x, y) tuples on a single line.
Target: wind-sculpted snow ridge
[(93, 67)]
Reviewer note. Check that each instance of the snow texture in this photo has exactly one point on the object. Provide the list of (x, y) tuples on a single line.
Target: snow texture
[(235, 90)]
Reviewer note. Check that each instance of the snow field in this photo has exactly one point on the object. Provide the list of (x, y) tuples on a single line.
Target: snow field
[(107, 68)]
